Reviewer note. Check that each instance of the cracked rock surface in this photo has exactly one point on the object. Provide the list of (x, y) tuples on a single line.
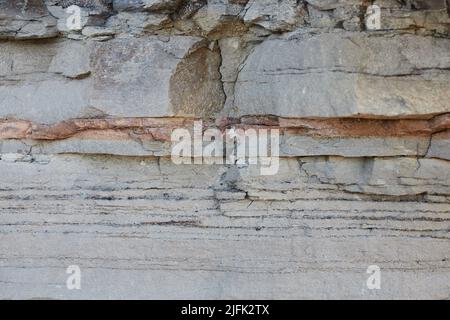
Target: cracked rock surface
[(86, 177), (26, 19)]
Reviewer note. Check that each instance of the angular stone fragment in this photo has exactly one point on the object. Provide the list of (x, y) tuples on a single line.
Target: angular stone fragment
[(150, 5), (136, 23), (275, 15), (221, 17), (332, 4), (321, 19), (72, 60), (429, 16)]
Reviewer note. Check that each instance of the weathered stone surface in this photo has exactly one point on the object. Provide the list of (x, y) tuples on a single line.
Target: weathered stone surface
[(275, 15), (72, 60), (86, 176), (332, 4), (130, 77), (129, 143), (440, 146), (101, 213), (329, 177), (138, 22), (220, 16), (428, 16), (299, 137), (345, 74), (26, 20), (383, 176), (140, 78), (146, 4), (294, 145), (52, 100), (91, 4)]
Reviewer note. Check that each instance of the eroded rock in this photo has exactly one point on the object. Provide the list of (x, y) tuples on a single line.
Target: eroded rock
[(345, 74), (22, 20), (175, 76)]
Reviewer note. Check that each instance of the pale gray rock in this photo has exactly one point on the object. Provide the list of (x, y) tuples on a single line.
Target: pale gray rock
[(98, 32), (321, 19), (218, 15), (118, 147), (234, 51), (138, 23), (349, 178), (72, 60), (148, 222), (332, 4), (105, 195), (132, 144), (45, 100), (294, 145), (149, 77), (275, 15), (382, 176), (429, 17), (152, 77), (440, 146), (37, 83), (22, 58), (346, 74), (94, 7), (151, 5)]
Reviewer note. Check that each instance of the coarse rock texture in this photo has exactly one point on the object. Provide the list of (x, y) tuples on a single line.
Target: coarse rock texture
[(178, 231), (87, 111), (26, 19), (346, 74)]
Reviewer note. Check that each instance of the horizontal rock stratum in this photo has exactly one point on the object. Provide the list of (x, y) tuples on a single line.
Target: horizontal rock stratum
[(90, 97)]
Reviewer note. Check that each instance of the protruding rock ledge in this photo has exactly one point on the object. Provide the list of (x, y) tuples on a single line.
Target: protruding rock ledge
[(345, 74)]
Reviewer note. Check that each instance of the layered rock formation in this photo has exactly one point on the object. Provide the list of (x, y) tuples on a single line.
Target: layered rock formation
[(86, 116)]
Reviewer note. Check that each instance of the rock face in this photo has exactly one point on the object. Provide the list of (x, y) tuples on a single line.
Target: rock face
[(25, 19), (346, 74), (86, 122)]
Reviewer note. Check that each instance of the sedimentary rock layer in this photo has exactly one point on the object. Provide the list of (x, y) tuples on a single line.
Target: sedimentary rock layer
[(299, 137), (92, 90), (217, 232)]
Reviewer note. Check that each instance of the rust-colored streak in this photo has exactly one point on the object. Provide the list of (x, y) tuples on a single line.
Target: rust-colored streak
[(359, 127), (14, 129), (159, 129)]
